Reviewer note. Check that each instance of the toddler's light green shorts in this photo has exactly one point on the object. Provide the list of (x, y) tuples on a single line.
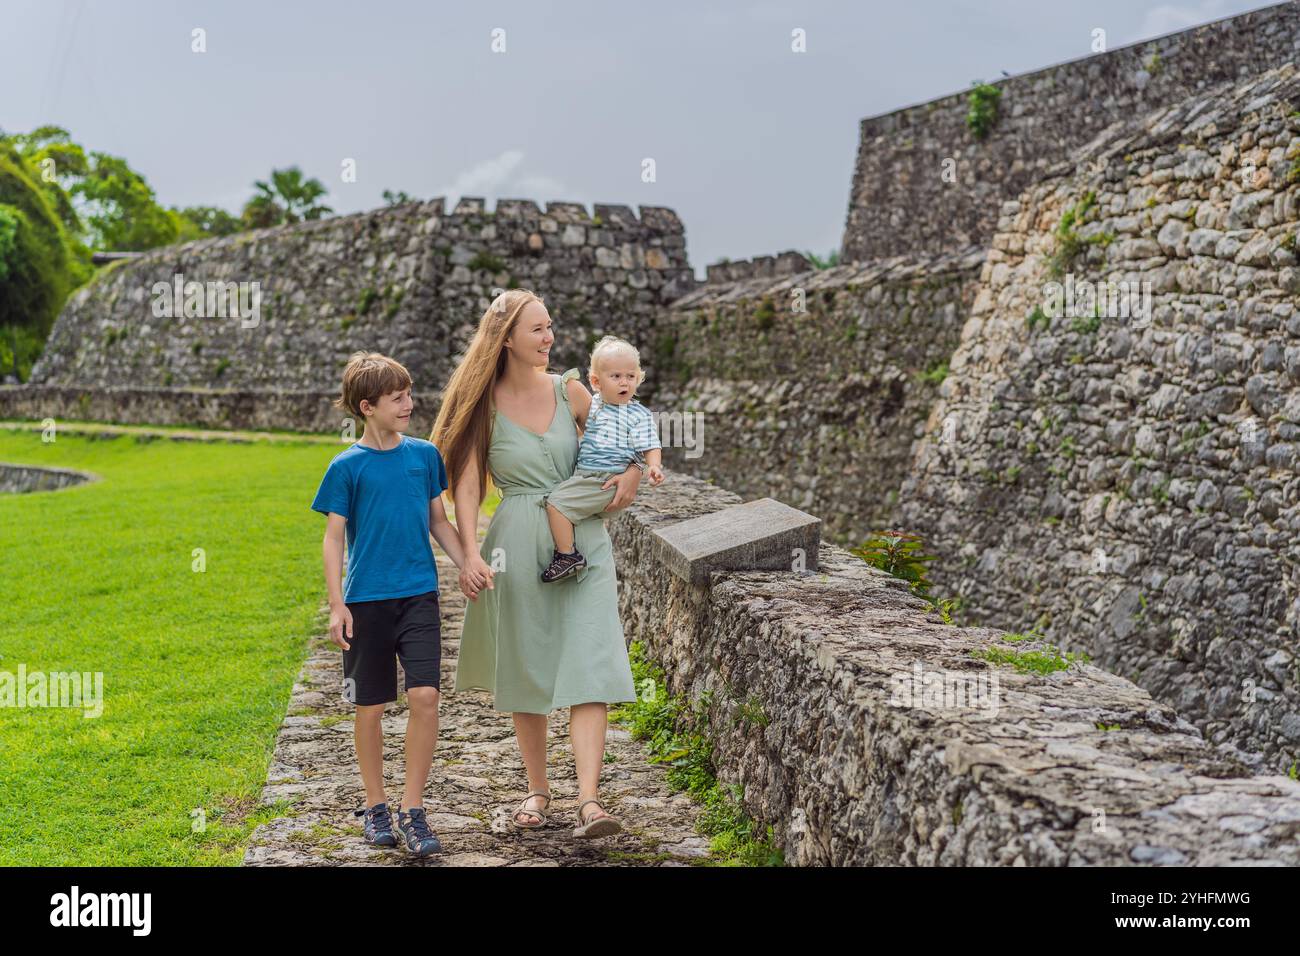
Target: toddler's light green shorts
[(581, 496)]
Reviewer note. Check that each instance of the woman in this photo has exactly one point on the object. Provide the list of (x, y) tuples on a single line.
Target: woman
[(535, 646)]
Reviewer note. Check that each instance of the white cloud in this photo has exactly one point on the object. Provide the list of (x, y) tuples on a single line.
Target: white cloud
[(503, 176)]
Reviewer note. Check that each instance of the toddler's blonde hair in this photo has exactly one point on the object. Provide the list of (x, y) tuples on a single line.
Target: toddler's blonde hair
[(612, 345)]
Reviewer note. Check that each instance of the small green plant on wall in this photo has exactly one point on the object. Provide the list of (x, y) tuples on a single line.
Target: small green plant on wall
[(948, 608), (486, 261), (366, 300), (1069, 244), (829, 261), (935, 374), (983, 111), (898, 553), (1044, 661)]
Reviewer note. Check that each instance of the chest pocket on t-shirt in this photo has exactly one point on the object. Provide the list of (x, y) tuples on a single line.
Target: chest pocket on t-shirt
[(417, 483)]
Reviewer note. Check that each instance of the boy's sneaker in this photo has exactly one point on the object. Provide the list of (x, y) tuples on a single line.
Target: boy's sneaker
[(414, 829), (378, 827), (562, 565)]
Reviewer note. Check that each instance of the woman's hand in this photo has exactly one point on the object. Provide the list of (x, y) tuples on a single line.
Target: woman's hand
[(475, 575), (628, 482)]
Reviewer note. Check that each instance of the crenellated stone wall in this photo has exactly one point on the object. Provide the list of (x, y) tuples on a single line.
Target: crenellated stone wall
[(786, 263), (1129, 484), (409, 280), (923, 182)]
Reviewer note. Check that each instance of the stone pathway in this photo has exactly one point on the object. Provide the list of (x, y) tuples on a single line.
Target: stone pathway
[(477, 780)]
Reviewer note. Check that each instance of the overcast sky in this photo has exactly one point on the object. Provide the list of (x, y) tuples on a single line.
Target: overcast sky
[(753, 144)]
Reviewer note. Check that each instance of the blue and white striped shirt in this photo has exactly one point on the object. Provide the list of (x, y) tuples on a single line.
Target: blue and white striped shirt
[(616, 435)]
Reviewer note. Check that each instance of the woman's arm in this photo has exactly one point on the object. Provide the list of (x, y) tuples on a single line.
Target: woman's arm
[(474, 573), (580, 400), (628, 482)]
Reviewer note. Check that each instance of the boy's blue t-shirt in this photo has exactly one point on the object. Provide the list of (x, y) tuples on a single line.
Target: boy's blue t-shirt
[(385, 496)]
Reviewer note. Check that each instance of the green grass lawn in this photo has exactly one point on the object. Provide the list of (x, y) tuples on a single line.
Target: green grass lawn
[(197, 667)]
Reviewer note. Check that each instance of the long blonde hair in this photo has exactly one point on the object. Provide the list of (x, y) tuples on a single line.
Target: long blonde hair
[(463, 429)]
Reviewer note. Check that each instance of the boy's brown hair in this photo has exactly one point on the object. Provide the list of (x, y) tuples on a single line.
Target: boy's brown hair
[(369, 376)]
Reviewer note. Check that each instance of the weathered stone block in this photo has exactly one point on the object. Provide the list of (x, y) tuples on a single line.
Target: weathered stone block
[(762, 535)]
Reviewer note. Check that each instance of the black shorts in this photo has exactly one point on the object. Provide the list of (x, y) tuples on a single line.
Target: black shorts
[(405, 628)]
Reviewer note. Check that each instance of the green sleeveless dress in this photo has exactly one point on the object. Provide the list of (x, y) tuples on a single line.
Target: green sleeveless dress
[(539, 646)]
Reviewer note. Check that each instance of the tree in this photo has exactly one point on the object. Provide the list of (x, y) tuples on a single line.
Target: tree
[(102, 202), (35, 273), (105, 203), (54, 164), (57, 202), (203, 222), (287, 198), (120, 210), (396, 198)]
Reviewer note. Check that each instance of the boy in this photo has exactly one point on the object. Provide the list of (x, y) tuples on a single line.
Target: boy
[(385, 493)]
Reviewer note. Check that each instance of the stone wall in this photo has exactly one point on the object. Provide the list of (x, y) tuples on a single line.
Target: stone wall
[(240, 409), (411, 280), (1129, 485), (805, 678), (900, 203), (820, 405), (786, 263)]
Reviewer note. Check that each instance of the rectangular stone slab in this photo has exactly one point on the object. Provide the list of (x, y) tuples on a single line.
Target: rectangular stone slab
[(759, 535)]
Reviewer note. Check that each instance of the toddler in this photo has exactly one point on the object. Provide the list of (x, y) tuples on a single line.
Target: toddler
[(619, 431)]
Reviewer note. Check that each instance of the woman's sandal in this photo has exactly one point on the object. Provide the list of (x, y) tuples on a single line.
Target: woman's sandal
[(525, 809), (601, 826)]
